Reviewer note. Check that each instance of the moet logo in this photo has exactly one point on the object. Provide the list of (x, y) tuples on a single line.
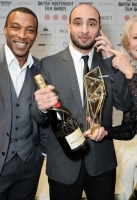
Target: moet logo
[(106, 17)]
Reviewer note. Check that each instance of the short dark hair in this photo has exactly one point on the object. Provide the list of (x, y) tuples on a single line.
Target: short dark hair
[(85, 4), (23, 10)]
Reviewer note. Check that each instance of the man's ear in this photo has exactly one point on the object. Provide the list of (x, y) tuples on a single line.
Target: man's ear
[(68, 27), (5, 30)]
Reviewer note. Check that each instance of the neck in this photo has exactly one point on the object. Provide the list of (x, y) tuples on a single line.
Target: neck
[(22, 61)]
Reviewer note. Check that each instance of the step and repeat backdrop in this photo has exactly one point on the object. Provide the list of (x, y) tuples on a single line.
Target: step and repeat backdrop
[(53, 16)]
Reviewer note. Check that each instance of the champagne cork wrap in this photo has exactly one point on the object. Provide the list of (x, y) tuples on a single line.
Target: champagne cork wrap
[(40, 81)]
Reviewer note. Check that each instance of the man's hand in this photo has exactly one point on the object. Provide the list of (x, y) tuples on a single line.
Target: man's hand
[(98, 134), (103, 44), (46, 98)]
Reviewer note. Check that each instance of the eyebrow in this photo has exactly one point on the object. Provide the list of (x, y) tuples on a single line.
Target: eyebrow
[(93, 19), (30, 26)]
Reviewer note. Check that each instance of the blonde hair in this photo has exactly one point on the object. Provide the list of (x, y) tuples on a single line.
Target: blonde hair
[(126, 31)]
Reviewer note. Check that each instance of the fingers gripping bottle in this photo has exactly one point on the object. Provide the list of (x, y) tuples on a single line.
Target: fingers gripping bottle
[(64, 126)]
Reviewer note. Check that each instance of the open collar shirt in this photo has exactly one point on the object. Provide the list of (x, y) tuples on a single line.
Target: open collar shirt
[(16, 72)]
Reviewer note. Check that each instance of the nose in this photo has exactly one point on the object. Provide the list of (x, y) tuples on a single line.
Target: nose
[(22, 33), (84, 28)]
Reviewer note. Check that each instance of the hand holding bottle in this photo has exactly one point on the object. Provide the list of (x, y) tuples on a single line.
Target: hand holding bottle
[(99, 133), (46, 98), (63, 124)]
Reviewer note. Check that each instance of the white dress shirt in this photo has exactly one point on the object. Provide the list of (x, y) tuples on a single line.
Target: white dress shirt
[(17, 74), (79, 66)]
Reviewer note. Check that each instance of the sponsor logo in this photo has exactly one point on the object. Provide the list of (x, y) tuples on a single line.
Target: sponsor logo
[(42, 45), (24, 3), (2, 17), (45, 29), (119, 45), (106, 4), (81, 2), (45, 32), (46, 45), (65, 44), (5, 3), (106, 17), (63, 31)]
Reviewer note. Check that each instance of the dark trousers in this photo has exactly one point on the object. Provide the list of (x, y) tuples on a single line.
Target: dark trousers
[(99, 187), (19, 179)]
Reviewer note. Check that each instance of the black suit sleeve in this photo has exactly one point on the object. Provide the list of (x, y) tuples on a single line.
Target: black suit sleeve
[(121, 93), (37, 115), (43, 137)]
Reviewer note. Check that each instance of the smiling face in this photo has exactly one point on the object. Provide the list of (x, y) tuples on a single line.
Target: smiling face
[(83, 28), (132, 45), (20, 33)]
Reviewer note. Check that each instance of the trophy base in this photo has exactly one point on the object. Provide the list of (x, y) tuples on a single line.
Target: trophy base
[(94, 128)]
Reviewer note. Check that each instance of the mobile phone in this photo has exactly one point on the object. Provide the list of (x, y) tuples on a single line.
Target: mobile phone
[(99, 31)]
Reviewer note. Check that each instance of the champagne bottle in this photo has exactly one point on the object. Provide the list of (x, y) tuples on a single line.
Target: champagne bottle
[(134, 194), (64, 126)]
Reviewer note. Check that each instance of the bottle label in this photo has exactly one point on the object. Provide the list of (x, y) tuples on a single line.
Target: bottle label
[(75, 139)]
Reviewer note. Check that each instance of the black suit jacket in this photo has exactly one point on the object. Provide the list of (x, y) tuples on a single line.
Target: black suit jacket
[(59, 71)]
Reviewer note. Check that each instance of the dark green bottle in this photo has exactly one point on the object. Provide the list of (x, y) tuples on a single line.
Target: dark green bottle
[(64, 126)]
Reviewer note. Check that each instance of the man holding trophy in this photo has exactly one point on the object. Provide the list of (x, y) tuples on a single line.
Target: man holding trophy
[(94, 170)]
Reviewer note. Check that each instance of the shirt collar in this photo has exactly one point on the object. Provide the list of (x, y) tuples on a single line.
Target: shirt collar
[(76, 55), (10, 57)]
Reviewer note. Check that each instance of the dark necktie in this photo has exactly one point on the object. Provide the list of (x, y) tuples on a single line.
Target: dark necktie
[(85, 71), (86, 68)]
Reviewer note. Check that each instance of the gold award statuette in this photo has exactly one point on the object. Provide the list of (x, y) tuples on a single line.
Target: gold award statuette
[(95, 96)]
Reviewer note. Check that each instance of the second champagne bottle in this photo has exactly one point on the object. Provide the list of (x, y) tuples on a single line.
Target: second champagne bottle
[(64, 126)]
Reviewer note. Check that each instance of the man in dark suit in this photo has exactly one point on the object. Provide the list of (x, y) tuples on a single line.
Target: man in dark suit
[(94, 172), (20, 142)]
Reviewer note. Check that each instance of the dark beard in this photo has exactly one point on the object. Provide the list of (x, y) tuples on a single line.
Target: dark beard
[(89, 46)]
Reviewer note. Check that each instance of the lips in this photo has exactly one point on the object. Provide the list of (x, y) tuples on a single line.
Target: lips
[(21, 44), (84, 39)]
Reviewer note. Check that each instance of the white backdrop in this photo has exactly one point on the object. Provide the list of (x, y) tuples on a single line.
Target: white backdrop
[(54, 15)]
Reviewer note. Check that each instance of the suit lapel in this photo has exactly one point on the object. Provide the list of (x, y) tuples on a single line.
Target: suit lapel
[(34, 72), (97, 58), (5, 83), (72, 77)]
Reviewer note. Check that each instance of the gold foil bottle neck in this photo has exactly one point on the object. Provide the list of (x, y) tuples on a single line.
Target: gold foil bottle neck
[(40, 81)]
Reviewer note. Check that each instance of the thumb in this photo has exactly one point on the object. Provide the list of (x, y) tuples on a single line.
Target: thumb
[(89, 119)]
